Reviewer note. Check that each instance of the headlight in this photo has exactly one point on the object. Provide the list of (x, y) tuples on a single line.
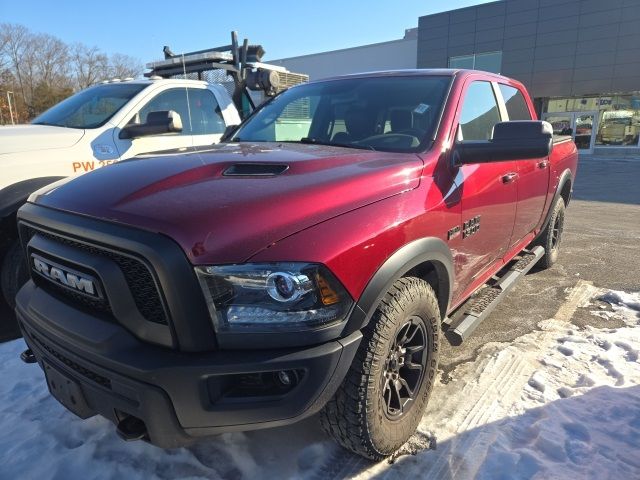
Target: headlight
[(273, 296)]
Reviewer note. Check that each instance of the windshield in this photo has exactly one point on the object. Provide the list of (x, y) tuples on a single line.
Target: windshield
[(90, 108), (394, 114)]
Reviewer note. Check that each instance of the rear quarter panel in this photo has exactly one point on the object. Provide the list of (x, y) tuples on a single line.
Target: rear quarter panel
[(563, 158)]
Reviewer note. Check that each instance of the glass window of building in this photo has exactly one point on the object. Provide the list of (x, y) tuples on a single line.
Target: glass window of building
[(462, 62), (517, 108), (488, 62), (619, 120), (617, 117)]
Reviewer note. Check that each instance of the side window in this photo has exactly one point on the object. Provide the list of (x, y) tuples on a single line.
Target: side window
[(174, 99), (201, 115), (206, 116), (514, 101), (479, 112)]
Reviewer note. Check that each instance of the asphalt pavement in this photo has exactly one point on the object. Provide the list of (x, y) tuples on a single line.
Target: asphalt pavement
[(601, 247)]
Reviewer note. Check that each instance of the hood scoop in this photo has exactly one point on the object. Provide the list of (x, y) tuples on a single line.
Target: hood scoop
[(255, 170)]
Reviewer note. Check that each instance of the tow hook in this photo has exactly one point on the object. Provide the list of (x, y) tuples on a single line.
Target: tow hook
[(28, 357), (131, 428)]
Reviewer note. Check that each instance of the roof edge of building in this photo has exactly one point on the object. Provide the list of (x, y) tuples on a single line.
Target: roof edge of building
[(378, 44)]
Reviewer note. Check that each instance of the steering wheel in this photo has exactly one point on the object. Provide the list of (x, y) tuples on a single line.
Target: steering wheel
[(393, 140)]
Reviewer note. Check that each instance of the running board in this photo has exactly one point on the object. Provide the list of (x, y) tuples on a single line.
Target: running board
[(461, 324)]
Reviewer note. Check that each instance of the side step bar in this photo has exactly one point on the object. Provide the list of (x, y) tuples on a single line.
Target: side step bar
[(461, 324)]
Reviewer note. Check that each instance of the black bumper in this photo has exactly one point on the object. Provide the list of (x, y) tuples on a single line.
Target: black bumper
[(178, 395)]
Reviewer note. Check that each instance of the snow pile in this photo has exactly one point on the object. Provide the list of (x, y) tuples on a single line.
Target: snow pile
[(556, 403), (626, 307)]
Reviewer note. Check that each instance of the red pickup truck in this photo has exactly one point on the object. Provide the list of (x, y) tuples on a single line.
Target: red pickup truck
[(314, 262)]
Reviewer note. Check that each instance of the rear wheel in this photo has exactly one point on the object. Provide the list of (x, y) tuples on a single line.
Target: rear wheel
[(383, 397), (552, 235)]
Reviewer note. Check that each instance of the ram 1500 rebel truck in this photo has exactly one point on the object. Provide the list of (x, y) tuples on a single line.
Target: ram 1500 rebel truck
[(315, 262)]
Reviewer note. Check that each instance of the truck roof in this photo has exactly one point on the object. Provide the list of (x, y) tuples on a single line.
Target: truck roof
[(417, 72), (149, 81)]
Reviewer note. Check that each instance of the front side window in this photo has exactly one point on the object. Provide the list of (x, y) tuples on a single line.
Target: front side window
[(479, 112), (517, 108), (397, 113), (90, 108), (198, 110)]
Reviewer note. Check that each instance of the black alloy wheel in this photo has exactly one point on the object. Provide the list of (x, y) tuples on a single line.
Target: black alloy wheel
[(404, 370)]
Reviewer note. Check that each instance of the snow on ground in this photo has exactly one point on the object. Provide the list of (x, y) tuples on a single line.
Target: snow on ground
[(556, 403)]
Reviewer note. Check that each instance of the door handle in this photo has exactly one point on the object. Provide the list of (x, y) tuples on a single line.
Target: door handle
[(509, 177), (543, 164)]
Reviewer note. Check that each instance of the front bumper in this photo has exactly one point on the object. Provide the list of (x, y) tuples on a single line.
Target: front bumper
[(178, 395)]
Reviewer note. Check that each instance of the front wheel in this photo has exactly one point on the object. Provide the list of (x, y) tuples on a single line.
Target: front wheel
[(383, 397)]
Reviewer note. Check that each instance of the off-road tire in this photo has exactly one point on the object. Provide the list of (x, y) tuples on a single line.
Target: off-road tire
[(14, 273), (355, 417), (551, 238)]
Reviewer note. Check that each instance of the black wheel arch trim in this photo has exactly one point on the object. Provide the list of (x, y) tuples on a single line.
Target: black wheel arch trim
[(565, 177), (423, 250), (13, 196)]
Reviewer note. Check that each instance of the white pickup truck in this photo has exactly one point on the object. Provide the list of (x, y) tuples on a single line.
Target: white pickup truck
[(89, 129), (98, 126), (120, 119)]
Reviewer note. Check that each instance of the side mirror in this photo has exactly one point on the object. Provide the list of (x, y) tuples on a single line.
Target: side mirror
[(165, 121), (515, 140), (228, 132)]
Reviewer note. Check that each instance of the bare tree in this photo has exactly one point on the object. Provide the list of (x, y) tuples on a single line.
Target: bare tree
[(52, 60), (4, 40), (16, 38), (42, 69), (124, 66), (89, 64)]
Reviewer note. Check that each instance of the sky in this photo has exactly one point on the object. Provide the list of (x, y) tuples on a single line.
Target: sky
[(286, 28)]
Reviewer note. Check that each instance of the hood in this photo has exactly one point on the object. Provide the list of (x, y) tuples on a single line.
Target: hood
[(226, 203), (25, 138)]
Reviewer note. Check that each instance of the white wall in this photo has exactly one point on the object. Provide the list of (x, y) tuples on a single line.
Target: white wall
[(393, 55)]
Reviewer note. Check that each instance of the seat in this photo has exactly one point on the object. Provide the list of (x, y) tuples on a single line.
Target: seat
[(400, 121), (359, 125)]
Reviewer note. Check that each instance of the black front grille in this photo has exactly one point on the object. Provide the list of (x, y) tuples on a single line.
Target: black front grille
[(85, 372), (137, 275), (86, 303)]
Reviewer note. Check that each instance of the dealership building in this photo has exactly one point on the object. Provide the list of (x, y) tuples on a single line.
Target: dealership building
[(580, 60)]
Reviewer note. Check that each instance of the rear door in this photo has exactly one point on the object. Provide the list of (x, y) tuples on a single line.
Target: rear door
[(488, 190), (533, 174)]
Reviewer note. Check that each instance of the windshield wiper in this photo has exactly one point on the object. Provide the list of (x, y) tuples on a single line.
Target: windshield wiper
[(317, 141), (49, 124)]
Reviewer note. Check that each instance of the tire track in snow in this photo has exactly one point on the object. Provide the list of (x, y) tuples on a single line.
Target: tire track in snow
[(579, 296)]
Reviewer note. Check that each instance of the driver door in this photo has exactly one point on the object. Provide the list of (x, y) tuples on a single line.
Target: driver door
[(488, 190), (173, 99)]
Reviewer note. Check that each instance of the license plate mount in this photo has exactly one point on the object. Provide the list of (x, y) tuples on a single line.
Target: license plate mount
[(67, 391)]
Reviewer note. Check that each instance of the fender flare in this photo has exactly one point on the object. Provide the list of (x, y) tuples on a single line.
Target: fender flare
[(428, 249), (565, 177), (13, 196)]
